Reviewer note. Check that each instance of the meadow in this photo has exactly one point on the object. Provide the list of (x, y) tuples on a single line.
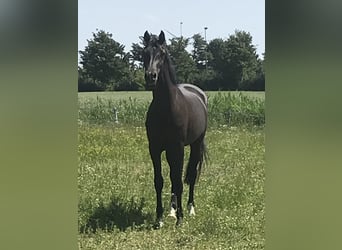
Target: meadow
[(115, 177)]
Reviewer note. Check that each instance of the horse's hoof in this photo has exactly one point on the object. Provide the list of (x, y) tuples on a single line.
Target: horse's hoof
[(173, 213), (191, 209), (179, 222), (159, 224)]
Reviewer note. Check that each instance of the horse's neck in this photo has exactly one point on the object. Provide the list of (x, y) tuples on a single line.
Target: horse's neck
[(166, 89)]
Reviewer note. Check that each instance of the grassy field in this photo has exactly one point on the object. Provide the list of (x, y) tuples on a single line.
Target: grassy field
[(117, 197)]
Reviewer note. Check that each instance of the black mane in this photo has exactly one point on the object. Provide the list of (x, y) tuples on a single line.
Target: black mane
[(171, 68)]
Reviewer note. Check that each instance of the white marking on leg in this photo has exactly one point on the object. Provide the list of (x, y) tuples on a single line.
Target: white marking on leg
[(191, 210), (173, 213), (161, 224)]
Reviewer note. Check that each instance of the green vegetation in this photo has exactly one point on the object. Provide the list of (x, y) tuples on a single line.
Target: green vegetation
[(115, 181), (221, 64), (225, 108)]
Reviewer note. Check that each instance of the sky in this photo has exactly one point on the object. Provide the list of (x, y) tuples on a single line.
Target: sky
[(129, 19)]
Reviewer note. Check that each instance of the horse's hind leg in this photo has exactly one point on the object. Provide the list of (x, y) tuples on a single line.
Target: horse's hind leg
[(158, 184), (191, 173)]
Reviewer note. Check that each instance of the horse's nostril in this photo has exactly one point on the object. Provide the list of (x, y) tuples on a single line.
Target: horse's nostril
[(154, 76)]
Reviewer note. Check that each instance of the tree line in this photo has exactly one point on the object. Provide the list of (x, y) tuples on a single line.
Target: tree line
[(221, 64)]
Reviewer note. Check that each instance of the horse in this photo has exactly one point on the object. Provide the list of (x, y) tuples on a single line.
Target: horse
[(176, 117)]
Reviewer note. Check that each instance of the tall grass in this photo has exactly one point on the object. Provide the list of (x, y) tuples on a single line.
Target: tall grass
[(235, 110), (102, 111), (224, 109)]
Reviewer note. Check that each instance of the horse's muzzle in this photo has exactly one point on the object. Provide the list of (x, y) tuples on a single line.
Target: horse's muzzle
[(151, 80)]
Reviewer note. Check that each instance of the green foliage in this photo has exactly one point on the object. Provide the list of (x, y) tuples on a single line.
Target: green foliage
[(235, 110), (228, 109), (102, 111), (104, 61), (205, 74), (85, 82), (137, 54), (200, 52), (184, 65), (236, 62), (230, 64)]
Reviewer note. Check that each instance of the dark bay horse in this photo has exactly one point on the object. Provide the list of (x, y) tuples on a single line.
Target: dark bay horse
[(177, 117)]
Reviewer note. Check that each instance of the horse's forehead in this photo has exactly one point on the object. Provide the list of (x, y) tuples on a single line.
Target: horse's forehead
[(154, 47), (154, 42)]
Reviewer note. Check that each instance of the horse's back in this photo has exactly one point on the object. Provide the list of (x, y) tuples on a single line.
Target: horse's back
[(190, 90)]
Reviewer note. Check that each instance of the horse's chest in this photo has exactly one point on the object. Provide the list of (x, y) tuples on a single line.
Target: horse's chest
[(162, 127)]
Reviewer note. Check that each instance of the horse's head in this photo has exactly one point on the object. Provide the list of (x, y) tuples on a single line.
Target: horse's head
[(153, 55)]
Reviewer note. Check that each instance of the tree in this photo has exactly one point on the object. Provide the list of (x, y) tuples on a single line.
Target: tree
[(235, 61), (230, 64), (184, 65), (137, 54), (85, 83), (104, 61), (243, 59), (259, 84), (201, 56), (217, 48), (200, 53)]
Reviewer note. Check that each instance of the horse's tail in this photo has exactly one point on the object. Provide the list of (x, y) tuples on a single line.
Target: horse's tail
[(190, 173), (204, 157)]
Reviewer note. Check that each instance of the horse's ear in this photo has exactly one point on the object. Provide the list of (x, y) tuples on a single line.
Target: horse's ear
[(161, 39), (147, 37)]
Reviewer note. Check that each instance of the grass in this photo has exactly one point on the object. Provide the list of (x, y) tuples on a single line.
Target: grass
[(117, 197)]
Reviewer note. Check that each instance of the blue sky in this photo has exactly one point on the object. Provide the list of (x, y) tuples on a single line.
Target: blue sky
[(128, 19)]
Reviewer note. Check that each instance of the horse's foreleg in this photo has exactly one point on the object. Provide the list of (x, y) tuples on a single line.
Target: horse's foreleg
[(158, 184), (175, 158)]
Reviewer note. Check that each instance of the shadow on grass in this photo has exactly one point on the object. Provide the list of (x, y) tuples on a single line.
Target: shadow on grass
[(118, 214)]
